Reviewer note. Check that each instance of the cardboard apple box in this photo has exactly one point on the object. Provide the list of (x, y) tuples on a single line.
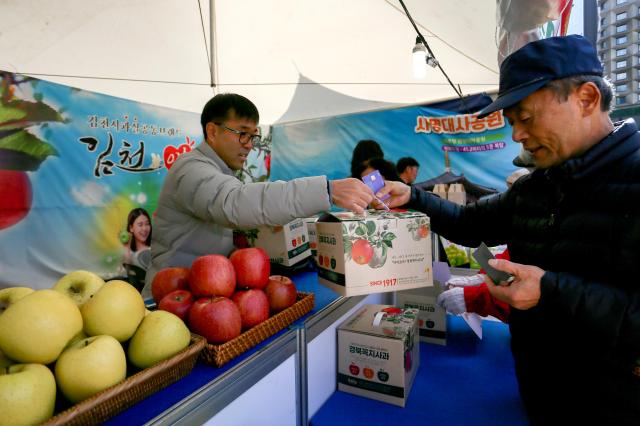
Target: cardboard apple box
[(432, 319), (378, 353), (457, 194), (374, 253), (285, 245)]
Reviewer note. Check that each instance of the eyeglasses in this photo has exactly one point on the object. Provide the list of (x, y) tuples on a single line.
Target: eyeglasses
[(243, 137)]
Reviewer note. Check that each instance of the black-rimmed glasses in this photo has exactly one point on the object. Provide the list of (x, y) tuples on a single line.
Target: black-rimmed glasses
[(243, 137)]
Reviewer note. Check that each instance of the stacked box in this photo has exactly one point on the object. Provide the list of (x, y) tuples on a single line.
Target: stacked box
[(432, 319), (286, 245), (376, 252), (378, 353)]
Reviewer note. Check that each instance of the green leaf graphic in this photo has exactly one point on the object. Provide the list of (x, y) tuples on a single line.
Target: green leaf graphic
[(27, 143)]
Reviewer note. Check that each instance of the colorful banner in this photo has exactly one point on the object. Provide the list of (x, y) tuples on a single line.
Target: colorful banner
[(72, 165), (482, 150)]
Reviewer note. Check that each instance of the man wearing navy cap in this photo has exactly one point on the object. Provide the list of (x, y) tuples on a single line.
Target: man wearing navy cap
[(573, 231)]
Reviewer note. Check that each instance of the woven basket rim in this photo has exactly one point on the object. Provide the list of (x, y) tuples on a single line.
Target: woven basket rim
[(215, 354), (196, 344)]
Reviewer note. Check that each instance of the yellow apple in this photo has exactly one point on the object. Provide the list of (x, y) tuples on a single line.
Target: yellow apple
[(11, 295), (36, 328), (116, 309), (160, 336), (90, 366), (79, 285), (27, 394)]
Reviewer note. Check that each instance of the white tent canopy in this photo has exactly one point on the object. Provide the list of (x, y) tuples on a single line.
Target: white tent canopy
[(156, 51)]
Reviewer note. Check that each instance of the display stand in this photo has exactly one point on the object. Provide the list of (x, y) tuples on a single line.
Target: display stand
[(291, 378)]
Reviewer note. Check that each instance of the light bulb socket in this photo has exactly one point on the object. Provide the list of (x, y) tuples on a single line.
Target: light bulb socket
[(419, 47)]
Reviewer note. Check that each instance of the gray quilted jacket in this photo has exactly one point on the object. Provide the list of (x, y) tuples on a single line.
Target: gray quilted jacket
[(202, 201)]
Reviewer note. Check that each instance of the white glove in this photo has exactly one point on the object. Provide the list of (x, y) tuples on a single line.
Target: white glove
[(452, 300), (466, 281)]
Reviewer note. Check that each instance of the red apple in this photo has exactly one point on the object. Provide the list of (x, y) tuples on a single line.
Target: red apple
[(177, 302), (281, 292), (361, 251), (212, 275), (216, 318), (254, 306), (16, 196), (252, 267), (168, 280)]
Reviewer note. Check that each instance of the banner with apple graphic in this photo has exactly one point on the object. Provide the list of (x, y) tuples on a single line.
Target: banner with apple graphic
[(73, 163)]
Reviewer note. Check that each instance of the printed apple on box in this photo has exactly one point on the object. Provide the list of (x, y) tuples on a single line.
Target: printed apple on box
[(286, 245), (432, 319), (378, 353), (377, 252)]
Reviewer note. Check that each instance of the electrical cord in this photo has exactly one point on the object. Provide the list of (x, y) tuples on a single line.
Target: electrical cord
[(426, 45)]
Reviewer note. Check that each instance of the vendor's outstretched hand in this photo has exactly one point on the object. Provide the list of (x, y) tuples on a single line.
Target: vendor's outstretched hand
[(399, 195), (524, 290), (351, 194)]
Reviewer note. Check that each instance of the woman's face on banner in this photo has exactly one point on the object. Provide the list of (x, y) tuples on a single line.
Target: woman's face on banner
[(140, 228)]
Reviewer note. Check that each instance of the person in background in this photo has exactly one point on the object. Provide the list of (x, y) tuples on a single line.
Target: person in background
[(407, 168), (201, 200), (471, 294), (386, 168), (364, 151), (139, 230), (572, 227)]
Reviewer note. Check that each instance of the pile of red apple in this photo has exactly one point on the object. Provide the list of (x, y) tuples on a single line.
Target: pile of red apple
[(219, 297)]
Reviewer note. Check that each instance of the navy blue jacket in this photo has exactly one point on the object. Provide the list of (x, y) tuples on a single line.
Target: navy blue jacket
[(578, 350)]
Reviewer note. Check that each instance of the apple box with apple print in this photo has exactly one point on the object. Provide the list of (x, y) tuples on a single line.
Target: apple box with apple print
[(379, 353), (432, 319), (286, 245), (377, 252)]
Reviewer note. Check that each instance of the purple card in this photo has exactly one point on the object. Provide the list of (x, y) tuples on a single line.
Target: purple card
[(375, 181)]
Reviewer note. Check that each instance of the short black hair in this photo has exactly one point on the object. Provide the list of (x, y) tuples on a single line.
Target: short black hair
[(220, 106), (365, 150), (386, 168), (405, 162)]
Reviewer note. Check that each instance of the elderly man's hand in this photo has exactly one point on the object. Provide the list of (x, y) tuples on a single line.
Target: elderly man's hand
[(351, 194), (524, 290), (399, 195)]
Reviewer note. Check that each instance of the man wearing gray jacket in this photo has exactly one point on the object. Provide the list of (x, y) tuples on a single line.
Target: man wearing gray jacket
[(201, 201)]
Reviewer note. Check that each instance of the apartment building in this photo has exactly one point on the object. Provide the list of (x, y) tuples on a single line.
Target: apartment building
[(619, 49)]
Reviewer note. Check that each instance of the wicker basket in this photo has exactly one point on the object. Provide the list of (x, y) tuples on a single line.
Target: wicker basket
[(117, 398), (218, 355)]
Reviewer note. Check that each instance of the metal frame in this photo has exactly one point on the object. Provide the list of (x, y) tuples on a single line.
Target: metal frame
[(210, 399)]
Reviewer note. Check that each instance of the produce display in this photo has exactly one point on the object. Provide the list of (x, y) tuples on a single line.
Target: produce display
[(221, 297), (79, 337), (63, 345)]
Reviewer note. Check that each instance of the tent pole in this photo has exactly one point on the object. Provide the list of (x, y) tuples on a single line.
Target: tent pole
[(212, 43)]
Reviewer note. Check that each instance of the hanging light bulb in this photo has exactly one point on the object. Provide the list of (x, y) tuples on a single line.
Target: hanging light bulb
[(419, 60)]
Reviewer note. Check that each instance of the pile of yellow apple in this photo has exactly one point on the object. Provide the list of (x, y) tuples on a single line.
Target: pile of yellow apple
[(71, 338)]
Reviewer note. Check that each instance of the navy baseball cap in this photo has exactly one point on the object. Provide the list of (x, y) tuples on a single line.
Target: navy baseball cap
[(535, 64)]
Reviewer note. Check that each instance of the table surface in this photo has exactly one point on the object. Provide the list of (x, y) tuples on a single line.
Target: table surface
[(467, 382)]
